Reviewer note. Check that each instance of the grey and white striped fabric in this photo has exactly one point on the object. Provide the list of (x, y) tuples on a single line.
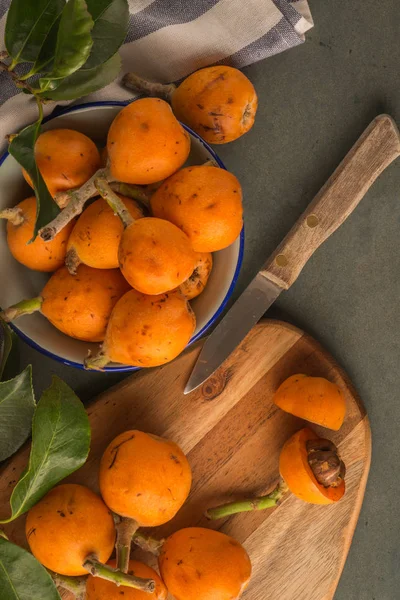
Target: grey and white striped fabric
[(168, 39)]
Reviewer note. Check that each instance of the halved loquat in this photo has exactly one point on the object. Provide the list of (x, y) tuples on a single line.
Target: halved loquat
[(314, 399), (297, 472)]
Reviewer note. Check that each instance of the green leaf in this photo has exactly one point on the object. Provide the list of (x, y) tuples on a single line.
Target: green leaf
[(6, 341), (17, 405), (60, 446), (28, 22), (22, 577), (86, 81), (111, 22), (22, 149), (9, 355), (47, 51), (74, 43)]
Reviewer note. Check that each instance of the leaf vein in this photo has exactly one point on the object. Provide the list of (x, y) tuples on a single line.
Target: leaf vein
[(9, 579), (40, 464), (32, 29)]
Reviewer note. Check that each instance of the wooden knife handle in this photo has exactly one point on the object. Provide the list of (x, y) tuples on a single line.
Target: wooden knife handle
[(378, 146)]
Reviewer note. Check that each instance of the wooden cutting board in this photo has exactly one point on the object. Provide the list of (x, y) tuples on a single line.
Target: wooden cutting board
[(233, 434)]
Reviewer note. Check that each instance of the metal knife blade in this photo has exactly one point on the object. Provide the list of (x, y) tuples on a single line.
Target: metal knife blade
[(244, 314), (377, 147)]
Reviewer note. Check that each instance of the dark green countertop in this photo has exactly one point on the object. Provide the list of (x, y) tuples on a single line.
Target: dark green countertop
[(315, 100)]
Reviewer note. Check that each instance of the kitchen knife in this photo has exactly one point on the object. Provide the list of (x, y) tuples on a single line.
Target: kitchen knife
[(377, 147)]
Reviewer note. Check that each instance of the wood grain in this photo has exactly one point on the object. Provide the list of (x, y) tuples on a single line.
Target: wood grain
[(378, 146), (233, 435)]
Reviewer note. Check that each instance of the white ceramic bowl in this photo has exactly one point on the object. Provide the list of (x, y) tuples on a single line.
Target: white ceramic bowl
[(18, 282)]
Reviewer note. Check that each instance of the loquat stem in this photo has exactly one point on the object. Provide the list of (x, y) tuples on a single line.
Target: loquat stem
[(27, 76), (22, 85), (72, 260), (63, 198), (12, 66), (153, 187), (74, 202), (30, 74), (210, 163), (4, 67), (97, 569), (148, 88), (125, 531), (132, 191), (16, 78), (14, 215), (11, 136), (148, 543), (97, 362), (261, 503), (114, 201), (25, 307), (75, 585)]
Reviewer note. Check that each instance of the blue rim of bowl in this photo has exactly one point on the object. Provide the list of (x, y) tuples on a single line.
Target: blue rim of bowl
[(57, 112)]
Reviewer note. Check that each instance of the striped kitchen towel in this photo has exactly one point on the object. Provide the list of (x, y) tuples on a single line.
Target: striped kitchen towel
[(167, 39)]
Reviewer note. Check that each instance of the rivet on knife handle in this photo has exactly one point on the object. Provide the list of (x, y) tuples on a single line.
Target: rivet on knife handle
[(378, 146)]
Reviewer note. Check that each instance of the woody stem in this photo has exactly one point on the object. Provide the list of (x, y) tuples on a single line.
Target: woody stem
[(25, 307), (148, 543), (18, 81), (261, 503), (14, 215), (97, 569), (114, 201), (75, 585), (132, 191), (125, 531), (98, 361), (76, 201), (148, 88)]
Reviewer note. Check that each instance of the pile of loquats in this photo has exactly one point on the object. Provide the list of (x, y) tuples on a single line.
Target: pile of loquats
[(124, 268), (126, 265), (144, 480)]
